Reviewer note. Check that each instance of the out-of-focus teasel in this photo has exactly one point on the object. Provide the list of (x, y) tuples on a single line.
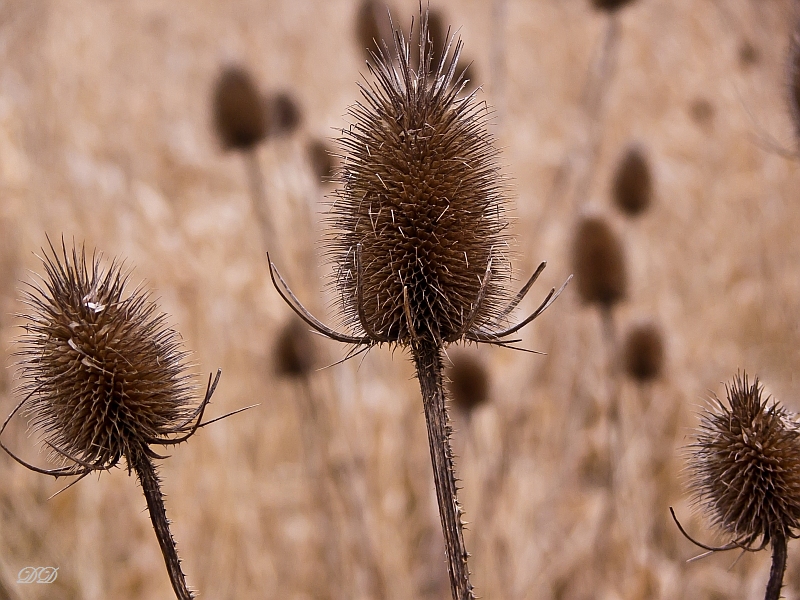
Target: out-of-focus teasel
[(418, 239), (373, 26), (105, 378), (643, 352), (632, 188), (744, 467), (598, 259), (283, 113), (321, 159), (610, 6), (468, 382)]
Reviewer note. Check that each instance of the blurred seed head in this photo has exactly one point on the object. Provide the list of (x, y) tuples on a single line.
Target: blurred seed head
[(702, 112), (104, 371), (643, 352), (744, 464), (599, 263), (794, 80), (748, 54), (632, 188), (469, 381), (284, 114), (321, 159), (422, 197), (239, 110), (610, 5), (294, 351), (373, 26)]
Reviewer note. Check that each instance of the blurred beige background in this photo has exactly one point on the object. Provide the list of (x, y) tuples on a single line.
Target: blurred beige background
[(106, 138)]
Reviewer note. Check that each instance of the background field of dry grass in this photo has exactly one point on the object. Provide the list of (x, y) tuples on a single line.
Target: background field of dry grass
[(106, 137)]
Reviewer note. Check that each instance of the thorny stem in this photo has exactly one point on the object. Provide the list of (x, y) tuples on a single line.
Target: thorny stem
[(779, 549), (428, 362), (148, 478)]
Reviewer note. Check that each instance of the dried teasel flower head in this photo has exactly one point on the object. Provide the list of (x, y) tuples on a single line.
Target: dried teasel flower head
[(610, 6), (284, 114), (418, 234), (294, 351), (239, 112), (643, 352), (104, 377), (469, 381), (373, 26), (419, 220), (104, 372), (418, 240), (599, 263), (632, 188), (744, 465)]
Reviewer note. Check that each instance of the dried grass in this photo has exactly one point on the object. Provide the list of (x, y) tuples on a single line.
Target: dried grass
[(106, 136)]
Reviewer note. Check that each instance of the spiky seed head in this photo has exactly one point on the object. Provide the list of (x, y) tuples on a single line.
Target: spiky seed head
[(239, 113), (643, 352), (610, 5), (632, 188), (422, 198), (437, 38), (744, 464), (104, 371), (469, 381), (373, 26), (599, 263), (321, 160), (284, 114), (294, 351)]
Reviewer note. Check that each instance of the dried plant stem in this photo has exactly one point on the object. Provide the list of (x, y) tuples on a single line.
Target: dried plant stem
[(779, 550), (315, 435), (598, 82), (259, 199), (148, 478), (428, 362)]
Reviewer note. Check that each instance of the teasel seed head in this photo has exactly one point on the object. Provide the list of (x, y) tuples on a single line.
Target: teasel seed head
[(420, 211), (632, 189), (610, 5), (104, 372), (284, 114), (294, 351), (469, 381), (643, 352), (239, 112), (744, 465), (599, 263)]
